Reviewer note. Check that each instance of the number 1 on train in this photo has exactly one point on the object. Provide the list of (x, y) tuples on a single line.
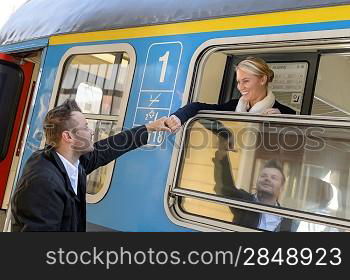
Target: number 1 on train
[(163, 59)]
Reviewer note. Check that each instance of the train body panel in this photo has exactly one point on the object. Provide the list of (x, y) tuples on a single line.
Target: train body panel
[(137, 193)]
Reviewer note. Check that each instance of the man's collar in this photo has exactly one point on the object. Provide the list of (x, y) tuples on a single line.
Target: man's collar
[(50, 152), (257, 200), (67, 163)]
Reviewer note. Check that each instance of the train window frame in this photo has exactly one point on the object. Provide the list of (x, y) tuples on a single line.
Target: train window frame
[(10, 100), (299, 42), (335, 108), (119, 118), (177, 192)]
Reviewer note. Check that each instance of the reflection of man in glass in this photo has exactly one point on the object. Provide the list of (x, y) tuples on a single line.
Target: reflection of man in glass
[(269, 186), (223, 176)]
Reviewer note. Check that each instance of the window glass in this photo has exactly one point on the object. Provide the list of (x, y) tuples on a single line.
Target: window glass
[(102, 130), (332, 90), (11, 80), (266, 164), (2, 83), (89, 98), (97, 82)]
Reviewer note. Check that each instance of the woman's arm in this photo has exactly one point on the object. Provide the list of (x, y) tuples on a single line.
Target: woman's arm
[(190, 110)]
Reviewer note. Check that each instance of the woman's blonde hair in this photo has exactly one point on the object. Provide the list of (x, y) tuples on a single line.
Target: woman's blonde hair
[(256, 66)]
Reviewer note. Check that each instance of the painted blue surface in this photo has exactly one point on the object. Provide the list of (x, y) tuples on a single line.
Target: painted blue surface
[(148, 115), (28, 45), (134, 201), (159, 55), (155, 99), (158, 83)]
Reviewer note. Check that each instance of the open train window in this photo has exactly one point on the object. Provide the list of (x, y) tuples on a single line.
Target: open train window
[(313, 81), (100, 84), (215, 182), (240, 172), (293, 83), (11, 81)]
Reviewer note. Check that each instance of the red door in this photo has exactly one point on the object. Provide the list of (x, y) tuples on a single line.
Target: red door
[(15, 78)]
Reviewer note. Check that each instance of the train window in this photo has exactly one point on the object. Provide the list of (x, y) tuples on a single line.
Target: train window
[(294, 77), (102, 129), (332, 85), (98, 82), (245, 172), (11, 81), (289, 81)]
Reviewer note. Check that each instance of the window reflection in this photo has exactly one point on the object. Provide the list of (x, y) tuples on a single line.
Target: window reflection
[(89, 98), (102, 130), (96, 81), (228, 159)]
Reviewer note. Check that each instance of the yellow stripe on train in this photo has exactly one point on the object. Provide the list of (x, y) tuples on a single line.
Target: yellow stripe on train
[(336, 13)]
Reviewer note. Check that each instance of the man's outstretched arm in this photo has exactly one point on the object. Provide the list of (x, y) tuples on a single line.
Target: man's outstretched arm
[(109, 149)]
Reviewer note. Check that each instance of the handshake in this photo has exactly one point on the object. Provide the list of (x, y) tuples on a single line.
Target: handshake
[(170, 124)]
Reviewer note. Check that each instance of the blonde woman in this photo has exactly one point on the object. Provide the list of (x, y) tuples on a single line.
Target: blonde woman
[(253, 76)]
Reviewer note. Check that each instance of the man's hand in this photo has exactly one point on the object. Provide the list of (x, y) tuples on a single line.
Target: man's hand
[(173, 123), (158, 125)]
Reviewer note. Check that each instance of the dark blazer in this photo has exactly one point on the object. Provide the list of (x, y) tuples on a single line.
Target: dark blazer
[(44, 199), (190, 110)]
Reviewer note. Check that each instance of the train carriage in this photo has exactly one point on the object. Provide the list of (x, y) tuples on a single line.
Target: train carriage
[(130, 62)]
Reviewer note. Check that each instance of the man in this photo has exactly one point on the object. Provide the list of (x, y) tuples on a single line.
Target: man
[(50, 195), (269, 186)]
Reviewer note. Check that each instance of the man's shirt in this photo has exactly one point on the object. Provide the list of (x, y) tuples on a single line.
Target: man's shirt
[(72, 171)]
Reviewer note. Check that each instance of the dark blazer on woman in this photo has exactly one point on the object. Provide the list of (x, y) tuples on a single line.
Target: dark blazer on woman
[(44, 199), (190, 110)]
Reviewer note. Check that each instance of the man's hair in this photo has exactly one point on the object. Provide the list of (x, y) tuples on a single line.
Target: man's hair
[(277, 165), (58, 120)]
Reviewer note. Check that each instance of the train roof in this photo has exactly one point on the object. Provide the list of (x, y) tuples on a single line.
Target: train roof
[(43, 18)]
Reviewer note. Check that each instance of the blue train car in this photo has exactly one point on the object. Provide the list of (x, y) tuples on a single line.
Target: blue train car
[(130, 62)]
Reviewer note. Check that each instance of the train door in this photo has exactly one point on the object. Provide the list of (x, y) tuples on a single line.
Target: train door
[(15, 81)]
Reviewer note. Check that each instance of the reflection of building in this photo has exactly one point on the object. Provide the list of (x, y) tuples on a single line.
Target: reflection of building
[(211, 167), (319, 195), (97, 82), (92, 74), (89, 98)]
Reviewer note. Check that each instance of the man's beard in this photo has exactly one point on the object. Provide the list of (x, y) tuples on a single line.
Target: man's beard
[(82, 146)]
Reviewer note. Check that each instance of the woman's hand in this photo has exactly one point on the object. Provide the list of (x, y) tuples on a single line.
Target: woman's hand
[(271, 111)]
